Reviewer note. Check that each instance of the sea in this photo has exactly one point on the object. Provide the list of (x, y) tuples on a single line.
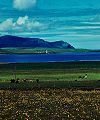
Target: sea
[(59, 57)]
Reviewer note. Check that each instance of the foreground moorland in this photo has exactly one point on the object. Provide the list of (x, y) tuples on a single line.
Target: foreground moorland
[(49, 104)]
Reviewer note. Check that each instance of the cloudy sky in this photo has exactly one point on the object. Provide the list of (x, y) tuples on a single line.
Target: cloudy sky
[(76, 21)]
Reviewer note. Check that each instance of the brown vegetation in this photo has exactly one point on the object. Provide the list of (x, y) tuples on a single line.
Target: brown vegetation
[(49, 104)]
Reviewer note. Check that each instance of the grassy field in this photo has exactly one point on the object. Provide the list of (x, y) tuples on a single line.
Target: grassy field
[(51, 71), (48, 74), (52, 66), (49, 104), (38, 50)]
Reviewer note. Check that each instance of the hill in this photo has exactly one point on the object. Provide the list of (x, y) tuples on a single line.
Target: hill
[(19, 42)]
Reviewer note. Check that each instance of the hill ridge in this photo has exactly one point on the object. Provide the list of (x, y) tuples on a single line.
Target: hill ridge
[(15, 41)]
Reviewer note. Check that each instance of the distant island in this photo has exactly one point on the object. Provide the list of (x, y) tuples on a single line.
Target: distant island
[(14, 41), (14, 44), (20, 45)]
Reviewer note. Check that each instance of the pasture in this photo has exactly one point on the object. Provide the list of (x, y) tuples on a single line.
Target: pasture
[(75, 74), (50, 75), (38, 50)]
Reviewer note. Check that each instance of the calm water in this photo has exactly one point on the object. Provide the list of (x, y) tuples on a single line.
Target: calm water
[(63, 57)]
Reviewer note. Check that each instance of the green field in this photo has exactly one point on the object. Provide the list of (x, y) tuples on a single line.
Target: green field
[(38, 50), (51, 71), (50, 74)]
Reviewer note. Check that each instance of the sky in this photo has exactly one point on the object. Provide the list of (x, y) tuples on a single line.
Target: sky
[(76, 21)]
